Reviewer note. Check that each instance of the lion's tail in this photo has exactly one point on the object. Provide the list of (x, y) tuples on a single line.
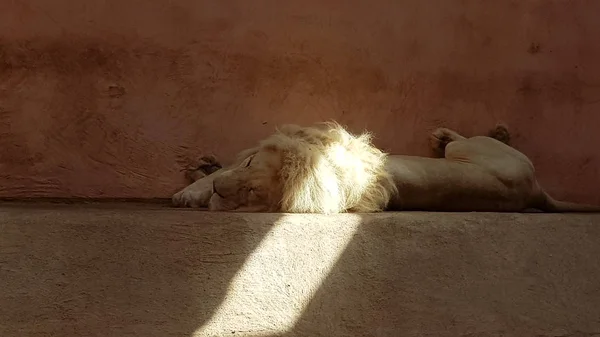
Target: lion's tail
[(548, 204)]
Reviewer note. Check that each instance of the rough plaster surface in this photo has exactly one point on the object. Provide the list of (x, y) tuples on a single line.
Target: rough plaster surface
[(126, 270), (112, 98)]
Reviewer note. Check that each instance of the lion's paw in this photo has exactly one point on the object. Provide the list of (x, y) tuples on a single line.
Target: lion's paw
[(500, 132), (191, 198), (207, 166)]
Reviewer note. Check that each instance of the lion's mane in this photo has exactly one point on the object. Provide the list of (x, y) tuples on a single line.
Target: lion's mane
[(326, 169)]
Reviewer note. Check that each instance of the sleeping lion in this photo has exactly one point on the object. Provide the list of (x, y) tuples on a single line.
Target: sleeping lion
[(326, 169)]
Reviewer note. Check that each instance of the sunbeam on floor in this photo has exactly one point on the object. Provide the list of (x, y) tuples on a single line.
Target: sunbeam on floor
[(265, 301)]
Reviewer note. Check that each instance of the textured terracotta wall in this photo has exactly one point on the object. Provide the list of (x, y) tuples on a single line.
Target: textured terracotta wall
[(113, 98)]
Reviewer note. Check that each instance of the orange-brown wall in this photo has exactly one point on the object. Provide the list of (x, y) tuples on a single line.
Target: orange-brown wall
[(113, 98)]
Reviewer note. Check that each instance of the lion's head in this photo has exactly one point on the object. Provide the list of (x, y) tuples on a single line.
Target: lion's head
[(318, 169)]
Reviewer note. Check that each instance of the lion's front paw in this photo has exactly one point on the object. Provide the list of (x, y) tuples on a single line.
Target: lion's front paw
[(207, 166), (191, 198), (440, 138), (500, 132)]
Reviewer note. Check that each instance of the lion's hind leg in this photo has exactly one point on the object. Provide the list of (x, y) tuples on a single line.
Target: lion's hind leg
[(440, 138)]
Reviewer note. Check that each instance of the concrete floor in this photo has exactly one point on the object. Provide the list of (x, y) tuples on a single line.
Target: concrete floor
[(148, 270)]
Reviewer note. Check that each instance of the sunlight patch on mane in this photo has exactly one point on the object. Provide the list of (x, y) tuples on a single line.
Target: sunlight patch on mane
[(326, 169)]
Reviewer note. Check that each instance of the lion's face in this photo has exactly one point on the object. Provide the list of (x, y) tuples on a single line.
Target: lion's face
[(251, 186)]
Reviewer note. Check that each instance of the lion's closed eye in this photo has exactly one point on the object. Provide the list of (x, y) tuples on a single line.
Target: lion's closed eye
[(256, 193)]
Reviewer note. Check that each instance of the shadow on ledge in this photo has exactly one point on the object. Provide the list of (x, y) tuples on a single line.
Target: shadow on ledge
[(152, 271), (117, 270)]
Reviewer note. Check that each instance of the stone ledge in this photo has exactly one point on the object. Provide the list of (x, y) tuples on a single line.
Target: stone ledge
[(148, 270)]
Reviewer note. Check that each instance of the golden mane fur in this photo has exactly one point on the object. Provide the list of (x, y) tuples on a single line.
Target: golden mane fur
[(326, 169)]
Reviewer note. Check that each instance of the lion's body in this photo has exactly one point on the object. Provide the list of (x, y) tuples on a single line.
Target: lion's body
[(328, 170), (439, 184)]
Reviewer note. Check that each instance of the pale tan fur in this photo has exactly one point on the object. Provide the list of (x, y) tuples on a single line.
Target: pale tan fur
[(326, 169)]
